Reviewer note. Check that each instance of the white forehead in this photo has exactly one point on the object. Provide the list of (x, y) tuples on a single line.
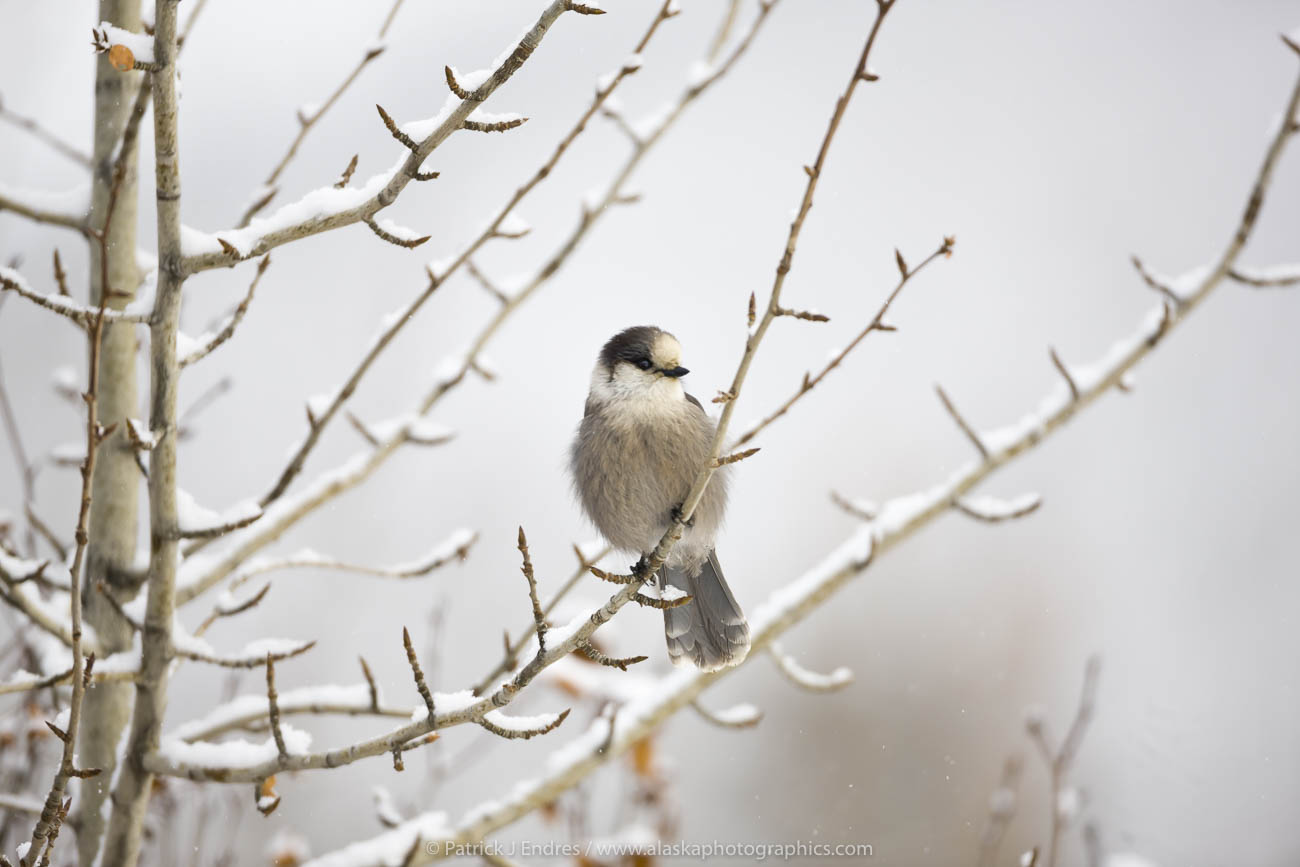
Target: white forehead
[(666, 349)]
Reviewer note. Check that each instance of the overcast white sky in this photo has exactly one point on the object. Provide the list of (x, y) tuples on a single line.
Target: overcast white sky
[(1053, 139)]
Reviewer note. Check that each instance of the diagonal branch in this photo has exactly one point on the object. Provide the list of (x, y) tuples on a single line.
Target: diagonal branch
[(899, 519), (342, 208), (306, 122), (286, 512), (494, 228)]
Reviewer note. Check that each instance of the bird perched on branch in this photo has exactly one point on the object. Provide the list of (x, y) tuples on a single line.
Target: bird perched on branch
[(641, 443)]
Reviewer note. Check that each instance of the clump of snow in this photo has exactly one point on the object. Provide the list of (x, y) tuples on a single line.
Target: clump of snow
[(422, 129), (995, 509), (650, 125), (413, 425), (397, 230), (478, 115), (235, 753), (672, 594), (141, 45), (513, 224), (449, 370), (390, 847), (194, 518), (319, 404), (1132, 859), (317, 205), (700, 72), (472, 80), (738, 715), (632, 63), (385, 809), (520, 723), (1068, 804)]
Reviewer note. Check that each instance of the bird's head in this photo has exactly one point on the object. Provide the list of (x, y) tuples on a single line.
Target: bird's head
[(642, 362)]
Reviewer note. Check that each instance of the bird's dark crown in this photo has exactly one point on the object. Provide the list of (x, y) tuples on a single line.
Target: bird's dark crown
[(631, 344)]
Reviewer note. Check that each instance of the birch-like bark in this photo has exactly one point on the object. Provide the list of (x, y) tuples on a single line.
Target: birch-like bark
[(115, 507), (131, 797)]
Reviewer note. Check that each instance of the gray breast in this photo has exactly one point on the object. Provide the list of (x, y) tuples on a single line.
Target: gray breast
[(631, 470)]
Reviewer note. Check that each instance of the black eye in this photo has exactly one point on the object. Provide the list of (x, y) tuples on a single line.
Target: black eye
[(644, 364)]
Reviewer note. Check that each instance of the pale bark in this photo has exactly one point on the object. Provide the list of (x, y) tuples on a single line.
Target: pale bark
[(131, 796), (115, 508)]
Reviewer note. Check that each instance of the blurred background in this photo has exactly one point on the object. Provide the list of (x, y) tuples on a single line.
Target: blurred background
[(1054, 140)]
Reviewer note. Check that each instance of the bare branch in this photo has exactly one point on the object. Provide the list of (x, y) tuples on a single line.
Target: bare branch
[(55, 808), (859, 509), (539, 619), (35, 129), (31, 206), (961, 423), (877, 323), (274, 712), (228, 330), (590, 652), (494, 126), (1065, 373), (414, 662), (736, 457)]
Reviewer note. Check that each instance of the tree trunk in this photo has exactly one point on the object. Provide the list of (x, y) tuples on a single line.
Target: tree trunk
[(131, 794), (114, 509)]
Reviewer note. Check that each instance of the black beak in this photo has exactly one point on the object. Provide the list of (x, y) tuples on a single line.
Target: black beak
[(674, 372)]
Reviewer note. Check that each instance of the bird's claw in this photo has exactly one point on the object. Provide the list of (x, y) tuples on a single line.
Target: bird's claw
[(677, 517)]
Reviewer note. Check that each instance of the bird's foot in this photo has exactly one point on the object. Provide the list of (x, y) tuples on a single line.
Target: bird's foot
[(677, 516)]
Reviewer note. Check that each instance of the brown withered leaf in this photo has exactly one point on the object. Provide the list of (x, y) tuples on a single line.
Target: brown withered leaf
[(121, 58)]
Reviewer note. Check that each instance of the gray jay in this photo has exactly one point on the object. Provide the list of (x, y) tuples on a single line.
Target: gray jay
[(641, 443)]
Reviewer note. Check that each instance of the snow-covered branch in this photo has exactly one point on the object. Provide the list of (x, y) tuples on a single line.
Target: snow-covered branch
[(329, 208), (1270, 277), (204, 344), (82, 315), (68, 210), (454, 548), (199, 574), (506, 223), (309, 115), (898, 520)]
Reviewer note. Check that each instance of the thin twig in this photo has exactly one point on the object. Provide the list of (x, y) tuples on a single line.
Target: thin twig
[(274, 709), (491, 230), (539, 619), (306, 124), (877, 323), (961, 423), (35, 129)]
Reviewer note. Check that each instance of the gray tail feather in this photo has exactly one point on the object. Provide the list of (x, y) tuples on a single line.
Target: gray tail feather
[(710, 631)]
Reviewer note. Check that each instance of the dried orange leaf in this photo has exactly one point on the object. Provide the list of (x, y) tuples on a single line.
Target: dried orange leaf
[(121, 58)]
